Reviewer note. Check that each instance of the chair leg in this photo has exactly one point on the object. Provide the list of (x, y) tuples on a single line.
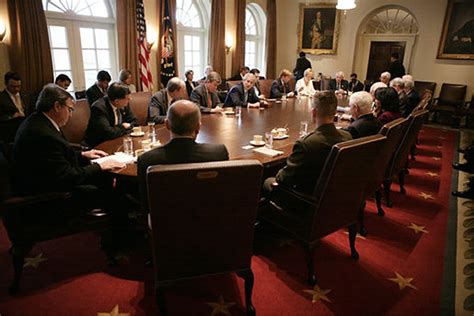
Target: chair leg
[(161, 301), (386, 189), (247, 275), (378, 201), (309, 253), (19, 253), (413, 150), (401, 182), (362, 230), (352, 238)]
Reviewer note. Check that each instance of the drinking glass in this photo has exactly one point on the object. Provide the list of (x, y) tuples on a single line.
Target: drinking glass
[(269, 140), (303, 128), (128, 145), (238, 110), (151, 132)]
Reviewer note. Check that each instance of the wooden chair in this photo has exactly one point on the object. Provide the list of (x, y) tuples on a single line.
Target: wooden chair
[(265, 87), (424, 87), (325, 83), (336, 199), (215, 220), (451, 100), (75, 128), (399, 162), (139, 106)]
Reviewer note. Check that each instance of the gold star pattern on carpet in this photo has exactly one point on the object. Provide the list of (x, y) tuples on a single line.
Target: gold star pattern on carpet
[(34, 261), (318, 294), (402, 282), (115, 312), (220, 307), (426, 196), (436, 158), (357, 236), (417, 228), (432, 174)]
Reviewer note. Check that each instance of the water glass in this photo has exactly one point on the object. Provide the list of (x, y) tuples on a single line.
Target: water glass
[(151, 132), (238, 110), (269, 140), (128, 145), (303, 128)]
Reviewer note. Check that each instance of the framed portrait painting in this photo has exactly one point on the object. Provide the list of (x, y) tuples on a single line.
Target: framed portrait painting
[(457, 38), (318, 28)]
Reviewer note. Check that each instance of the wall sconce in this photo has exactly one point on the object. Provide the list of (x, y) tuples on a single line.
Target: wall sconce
[(151, 38), (228, 43), (3, 31)]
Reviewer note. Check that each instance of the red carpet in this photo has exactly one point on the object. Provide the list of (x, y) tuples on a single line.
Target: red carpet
[(74, 280)]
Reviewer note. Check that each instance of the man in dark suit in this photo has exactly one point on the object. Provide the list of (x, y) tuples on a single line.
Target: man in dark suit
[(111, 116), (302, 63), (365, 123), (98, 89), (355, 85), (412, 98), (205, 94), (306, 162), (339, 85), (396, 68), (160, 101), (11, 102), (281, 86), (243, 94), (240, 76), (183, 121)]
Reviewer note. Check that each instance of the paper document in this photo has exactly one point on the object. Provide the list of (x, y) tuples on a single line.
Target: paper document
[(268, 152), (118, 156)]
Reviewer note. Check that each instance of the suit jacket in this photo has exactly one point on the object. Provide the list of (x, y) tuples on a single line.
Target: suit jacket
[(7, 107), (102, 126), (44, 161), (355, 86), (307, 160), (409, 103), (333, 85), (94, 93), (364, 125), (302, 63), (177, 150), (189, 88), (199, 96), (158, 107), (279, 89), (236, 96), (396, 69)]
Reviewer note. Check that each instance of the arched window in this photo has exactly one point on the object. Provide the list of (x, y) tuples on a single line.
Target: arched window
[(391, 20), (82, 38), (255, 24), (192, 20)]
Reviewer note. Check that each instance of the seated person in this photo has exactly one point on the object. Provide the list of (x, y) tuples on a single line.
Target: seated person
[(125, 77), (339, 85), (160, 101), (205, 94), (243, 94), (63, 81), (399, 85), (375, 86), (387, 100), (281, 86), (190, 84), (99, 88), (240, 76), (183, 121), (365, 123), (385, 77), (307, 160), (256, 73), (412, 97), (355, 85), (111, 117), (304, 86), (11, 101)]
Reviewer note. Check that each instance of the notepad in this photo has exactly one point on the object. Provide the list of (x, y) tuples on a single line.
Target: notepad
[(268, 152), (118, 156)]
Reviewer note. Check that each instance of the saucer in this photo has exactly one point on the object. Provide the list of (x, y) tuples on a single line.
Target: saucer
[(229, 112), (253, 143), (137, 134), (281, 137)]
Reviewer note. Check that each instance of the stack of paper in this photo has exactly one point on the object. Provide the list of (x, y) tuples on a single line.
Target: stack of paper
[(268, 152), (118, 156)]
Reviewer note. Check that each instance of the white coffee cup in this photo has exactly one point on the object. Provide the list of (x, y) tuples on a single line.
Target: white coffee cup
[(257, 139), (137, 130)]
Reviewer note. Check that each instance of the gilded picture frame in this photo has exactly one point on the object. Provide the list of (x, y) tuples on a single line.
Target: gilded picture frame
[(457, 37), (318, 28)]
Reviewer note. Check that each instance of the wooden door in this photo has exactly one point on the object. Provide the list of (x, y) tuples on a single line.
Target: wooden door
[(379, 57)]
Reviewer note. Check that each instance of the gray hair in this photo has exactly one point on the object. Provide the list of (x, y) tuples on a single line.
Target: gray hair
[(363, 100), (409, 82), (175, 84), (340, 73), (213, 77), (375, 86), (183, 117), (250, 76), (399, 82), (307, 71), (49, 95), (385, 74)]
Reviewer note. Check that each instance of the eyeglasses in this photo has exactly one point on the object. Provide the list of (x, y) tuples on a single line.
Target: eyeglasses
[(70, 108)]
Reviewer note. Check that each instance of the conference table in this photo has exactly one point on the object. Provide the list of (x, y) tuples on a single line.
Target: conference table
[(237, 132)]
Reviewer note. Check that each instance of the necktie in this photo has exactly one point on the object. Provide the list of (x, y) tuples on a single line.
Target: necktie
[(18, 104), (209, 100), (284, 87), (118, 117)]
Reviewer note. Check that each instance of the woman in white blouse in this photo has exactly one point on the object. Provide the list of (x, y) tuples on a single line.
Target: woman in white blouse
[(304, 86)]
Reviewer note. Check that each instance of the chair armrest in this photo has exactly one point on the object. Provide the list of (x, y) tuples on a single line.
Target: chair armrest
[(298, 195), (287, 199)]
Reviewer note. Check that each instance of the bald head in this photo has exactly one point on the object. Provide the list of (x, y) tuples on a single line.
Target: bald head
[(184, 118)]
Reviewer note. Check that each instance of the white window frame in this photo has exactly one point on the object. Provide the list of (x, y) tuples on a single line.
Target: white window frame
[(260, 38)]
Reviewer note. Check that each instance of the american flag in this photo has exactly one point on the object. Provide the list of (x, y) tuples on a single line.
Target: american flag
[(168, 70), (143, 52)]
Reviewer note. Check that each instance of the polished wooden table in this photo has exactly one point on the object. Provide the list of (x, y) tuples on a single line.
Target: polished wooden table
[(236, 132)]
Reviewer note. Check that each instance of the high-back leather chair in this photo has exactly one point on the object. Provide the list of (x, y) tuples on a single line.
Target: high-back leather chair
[(399, 161), (469, 111), (451, 100), (265, 87), (336, 199), (76, 126), (200, 211), (8, 129), (139, 105), (325, 83), (232, 83)]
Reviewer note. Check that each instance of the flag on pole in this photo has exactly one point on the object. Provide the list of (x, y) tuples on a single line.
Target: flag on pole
[(168, 70), (143, 51)]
